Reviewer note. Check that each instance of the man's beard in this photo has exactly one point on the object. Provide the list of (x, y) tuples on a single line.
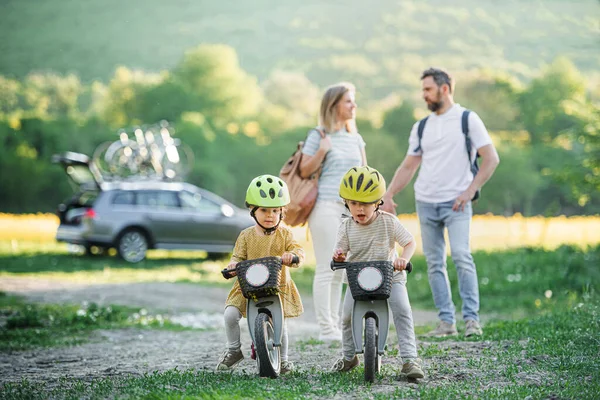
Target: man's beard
[(435, 105)]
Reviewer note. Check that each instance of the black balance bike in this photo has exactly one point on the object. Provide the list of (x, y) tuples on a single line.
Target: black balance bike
[(370, 285)]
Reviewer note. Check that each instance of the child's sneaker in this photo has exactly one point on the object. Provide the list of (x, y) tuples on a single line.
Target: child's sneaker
[(230, 359), (412, 369), (286, 366), (473, 328), (343, 365)]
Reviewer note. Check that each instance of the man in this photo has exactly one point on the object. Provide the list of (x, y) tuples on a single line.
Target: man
[(444, 189)]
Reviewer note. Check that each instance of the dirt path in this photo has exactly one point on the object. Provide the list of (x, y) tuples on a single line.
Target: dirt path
[(135, 351)]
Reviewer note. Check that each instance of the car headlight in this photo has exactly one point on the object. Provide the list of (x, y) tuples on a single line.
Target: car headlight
[(370, 279), (257, 275)]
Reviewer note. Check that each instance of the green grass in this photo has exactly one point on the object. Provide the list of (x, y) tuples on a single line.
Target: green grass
[(513, 281), (551, 355), (29, 325)]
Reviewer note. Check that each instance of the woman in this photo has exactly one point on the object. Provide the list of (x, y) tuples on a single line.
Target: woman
[(341, 149)]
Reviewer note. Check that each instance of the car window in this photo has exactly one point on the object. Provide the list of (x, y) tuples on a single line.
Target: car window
[(195, 201), (158, 199), (124, 198)]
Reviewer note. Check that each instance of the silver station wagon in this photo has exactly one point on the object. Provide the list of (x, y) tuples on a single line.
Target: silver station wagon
[(135, 216)]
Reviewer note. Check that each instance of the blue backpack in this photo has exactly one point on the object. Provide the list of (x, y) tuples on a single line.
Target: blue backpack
[(465, 129)]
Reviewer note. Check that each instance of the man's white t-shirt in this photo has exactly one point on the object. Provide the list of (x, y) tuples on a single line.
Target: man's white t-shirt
[(445, 172)]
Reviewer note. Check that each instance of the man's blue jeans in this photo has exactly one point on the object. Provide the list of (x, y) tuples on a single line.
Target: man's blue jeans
[(434, 218)]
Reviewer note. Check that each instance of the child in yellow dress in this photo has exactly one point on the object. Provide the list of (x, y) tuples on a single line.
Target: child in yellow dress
[(267, 196)]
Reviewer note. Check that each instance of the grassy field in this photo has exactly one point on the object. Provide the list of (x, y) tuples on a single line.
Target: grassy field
[(552, 356), (548, 349), (536, 272)]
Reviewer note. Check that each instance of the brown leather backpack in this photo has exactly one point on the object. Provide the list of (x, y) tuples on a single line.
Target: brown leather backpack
[(303, 191)]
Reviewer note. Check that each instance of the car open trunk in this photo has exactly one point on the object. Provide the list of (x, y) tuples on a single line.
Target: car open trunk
[(86, 182)]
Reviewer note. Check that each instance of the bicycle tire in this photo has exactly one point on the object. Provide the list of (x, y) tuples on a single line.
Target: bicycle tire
[(371, 362), (268, 356)]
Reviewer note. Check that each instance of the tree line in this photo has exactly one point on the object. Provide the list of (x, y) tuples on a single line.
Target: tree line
[(546, 130)]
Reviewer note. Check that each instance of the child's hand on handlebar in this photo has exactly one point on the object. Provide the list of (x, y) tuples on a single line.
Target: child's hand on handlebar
[(231, 267), (400, 264), (338, 255), (287, 258)]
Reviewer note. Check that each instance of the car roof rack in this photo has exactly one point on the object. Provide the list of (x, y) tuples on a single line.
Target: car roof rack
[(149, 153)]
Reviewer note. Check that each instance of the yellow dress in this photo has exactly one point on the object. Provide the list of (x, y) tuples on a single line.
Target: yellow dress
[(249, 245)]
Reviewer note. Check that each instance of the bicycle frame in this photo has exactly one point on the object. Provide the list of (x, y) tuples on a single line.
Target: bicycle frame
[(270, 305), (377, 309)]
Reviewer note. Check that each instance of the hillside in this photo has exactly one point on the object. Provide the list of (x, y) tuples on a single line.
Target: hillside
[(380, 44)]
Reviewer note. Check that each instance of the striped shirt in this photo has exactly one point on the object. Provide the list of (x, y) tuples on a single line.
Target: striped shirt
[(373, 242), (344, 154)]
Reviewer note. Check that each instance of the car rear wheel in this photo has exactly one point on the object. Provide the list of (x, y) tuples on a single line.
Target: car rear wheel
[(132, 246)]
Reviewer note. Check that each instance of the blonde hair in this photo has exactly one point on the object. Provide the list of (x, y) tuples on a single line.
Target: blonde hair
[(329, 102)]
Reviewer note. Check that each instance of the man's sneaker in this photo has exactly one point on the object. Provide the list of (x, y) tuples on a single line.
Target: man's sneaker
[(343, 365), (286, 366), (443, 329), (473, 328), (230, 359), (412, 369)]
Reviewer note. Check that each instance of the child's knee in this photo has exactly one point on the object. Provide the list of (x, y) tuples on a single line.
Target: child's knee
[(232, 315)]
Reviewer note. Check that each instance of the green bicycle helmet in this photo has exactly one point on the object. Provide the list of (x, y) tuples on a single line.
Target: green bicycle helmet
[(267, 191), (364, 184)]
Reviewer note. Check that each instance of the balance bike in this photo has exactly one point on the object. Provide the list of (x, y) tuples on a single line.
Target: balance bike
[(370, 285), (260, 279)]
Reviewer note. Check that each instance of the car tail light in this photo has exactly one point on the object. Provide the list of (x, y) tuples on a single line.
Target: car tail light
[(90, 213)]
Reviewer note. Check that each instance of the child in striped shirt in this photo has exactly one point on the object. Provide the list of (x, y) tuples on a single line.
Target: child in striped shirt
[(371, 235)]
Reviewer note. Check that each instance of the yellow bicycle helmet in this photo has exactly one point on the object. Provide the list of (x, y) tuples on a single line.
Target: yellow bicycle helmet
[(364, 184), (267, 191)]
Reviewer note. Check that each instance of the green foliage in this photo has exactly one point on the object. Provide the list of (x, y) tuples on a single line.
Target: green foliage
[(494, 96), (215, 83), (542, 104), (506, 195), (238, 129), (398, 121)]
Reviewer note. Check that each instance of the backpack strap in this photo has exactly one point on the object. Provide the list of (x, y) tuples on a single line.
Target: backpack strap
[(420, 130), (465, 130), (301, 145), (468, 144)]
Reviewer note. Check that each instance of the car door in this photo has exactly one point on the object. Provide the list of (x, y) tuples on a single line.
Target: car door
[(208, 223), (162, 213)]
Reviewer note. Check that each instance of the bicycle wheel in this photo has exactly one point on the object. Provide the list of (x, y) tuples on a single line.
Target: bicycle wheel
[(269, 361), (371, 355)]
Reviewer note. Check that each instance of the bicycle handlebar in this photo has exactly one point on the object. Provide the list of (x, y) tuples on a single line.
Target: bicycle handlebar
[(227, 273), (335, 265)]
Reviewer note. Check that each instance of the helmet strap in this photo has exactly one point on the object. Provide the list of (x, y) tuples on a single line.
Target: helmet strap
[(267, 231)]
